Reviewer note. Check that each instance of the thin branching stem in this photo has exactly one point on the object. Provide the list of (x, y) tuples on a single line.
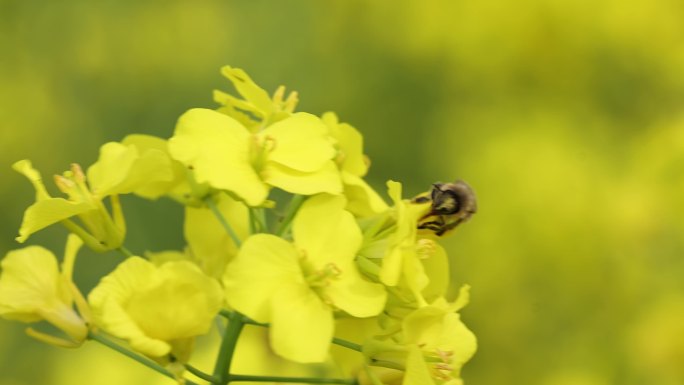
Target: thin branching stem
[(292, 208), (123, 250), (347, 344), (135, 356), (217, 213), (200, 374)]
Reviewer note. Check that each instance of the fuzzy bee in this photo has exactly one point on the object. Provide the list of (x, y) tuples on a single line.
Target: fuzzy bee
[(451, 204)]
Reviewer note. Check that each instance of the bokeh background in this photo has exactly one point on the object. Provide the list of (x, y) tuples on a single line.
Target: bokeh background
[(567, 117)]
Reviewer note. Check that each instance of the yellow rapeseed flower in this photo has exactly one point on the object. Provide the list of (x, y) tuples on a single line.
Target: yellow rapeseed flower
[(296, 287), (294, 154), (256, 109), (33, 289), (120, 169), (157, 309)]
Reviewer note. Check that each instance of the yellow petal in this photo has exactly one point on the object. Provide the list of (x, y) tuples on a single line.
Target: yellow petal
[(32, 289), (123, 169), (459, 339), (208, 241), (216, 147), (248, 89), (49, 211), (300, 143), (115, 289), (112, 316), (152, 306), (437, 329), (25, 168), (111, 168), (182, 303), (436, 267), (355, 295), (349, 144), (264, 263), (29, 282), (154, 189), (402, 243), (244, 112), (327, 232), (301, 324), (73, 245), (363, 201), (417, 372), (325, 180)]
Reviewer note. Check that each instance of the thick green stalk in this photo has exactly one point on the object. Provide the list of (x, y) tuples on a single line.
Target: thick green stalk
[(200, 374), (228, 344)]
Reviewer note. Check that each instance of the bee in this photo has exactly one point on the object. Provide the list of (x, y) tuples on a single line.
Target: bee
[(451, 204)]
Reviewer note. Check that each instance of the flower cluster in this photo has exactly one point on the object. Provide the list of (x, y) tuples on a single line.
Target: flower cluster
[(331, 264)]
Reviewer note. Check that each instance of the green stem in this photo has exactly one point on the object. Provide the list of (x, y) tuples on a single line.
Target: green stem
[(228, 344), (371, 375), (85, 236), (252, 222), (260, 215), (386, 364), (135, 356), (200, 374), (257, 220), (245, 320), (123, 250), (292, 208), (308, 380), (226, 313), (261, 219), (347, 344), (217, 213)]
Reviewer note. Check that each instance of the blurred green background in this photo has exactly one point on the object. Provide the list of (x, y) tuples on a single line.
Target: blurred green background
[(567, 117)]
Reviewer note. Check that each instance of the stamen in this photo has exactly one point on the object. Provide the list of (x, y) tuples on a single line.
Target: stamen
[(444, 355), (278, 94), (77, 172), (64, 184), (269, 144), (426, 248)]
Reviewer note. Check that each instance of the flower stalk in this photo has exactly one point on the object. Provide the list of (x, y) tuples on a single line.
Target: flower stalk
[(227, 349)]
